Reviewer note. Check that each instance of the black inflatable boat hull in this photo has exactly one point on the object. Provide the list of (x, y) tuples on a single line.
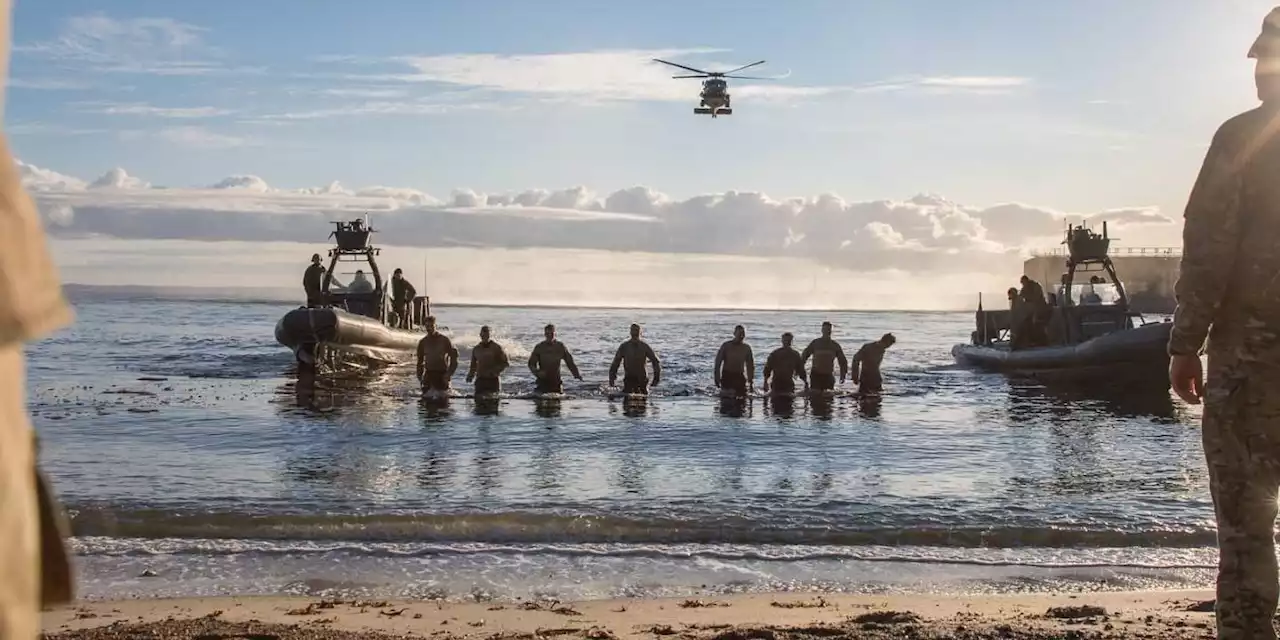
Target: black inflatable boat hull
[(1141, 349), (308, 331)]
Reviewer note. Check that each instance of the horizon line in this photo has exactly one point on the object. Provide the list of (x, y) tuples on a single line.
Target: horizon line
[(174, 293)]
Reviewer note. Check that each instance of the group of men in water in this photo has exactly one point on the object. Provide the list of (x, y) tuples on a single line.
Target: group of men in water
[(734, 370)]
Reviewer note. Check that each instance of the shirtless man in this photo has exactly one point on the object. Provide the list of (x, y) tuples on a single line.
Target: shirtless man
[(735, 368), (633, 354), (545, 360), (488, 361), (869, 357), (825, 353), (437, 359), (784, 364)]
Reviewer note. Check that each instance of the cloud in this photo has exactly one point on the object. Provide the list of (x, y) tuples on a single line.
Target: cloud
[(926, 234), (46, 84), (596, 77), (201, 138), (148, 110), (155, 46)]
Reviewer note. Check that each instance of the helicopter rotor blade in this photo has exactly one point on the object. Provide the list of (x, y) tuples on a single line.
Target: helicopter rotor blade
[(747, 66), (750, 78), (681, 66), (697, 76)]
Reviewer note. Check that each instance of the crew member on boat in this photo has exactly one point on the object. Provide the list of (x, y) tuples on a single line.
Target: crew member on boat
[(735, 368), (437, 359), (312, 280), (402, 294), (825, 353), (632, 355), (781, 368), (866, 364), (545, 361), (488, 361), (1037, 311), (360, 284)]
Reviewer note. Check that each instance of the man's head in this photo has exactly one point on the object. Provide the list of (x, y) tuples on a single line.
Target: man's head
[(786, 339), (431, 324), (1024, 280), (635, 331), (549, 331), (826, 329), (315, 258), (888, 339), (359, 274), (1013, 292), (1266, 54), (484, 333), (397, 274), (739, 333)]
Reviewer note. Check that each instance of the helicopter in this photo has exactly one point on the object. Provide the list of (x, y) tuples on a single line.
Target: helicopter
[(715, 90)]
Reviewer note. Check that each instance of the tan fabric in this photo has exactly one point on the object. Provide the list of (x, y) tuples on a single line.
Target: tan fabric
[(31, 306), (19, 525)]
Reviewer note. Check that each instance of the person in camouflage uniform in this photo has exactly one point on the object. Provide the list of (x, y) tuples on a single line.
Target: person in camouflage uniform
[(1228, 291)]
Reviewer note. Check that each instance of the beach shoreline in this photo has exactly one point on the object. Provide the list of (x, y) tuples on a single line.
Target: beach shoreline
[(1144, 614)]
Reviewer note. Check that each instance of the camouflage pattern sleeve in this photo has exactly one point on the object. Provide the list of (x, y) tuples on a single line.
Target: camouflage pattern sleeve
[(1210, 242)]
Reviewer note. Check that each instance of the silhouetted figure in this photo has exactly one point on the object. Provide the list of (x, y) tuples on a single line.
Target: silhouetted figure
[(437, 359), (734, 368), (488, 361), (544, 363), (312, 282), (402, 295), (825, 353), (782, 367), (866, 364), (1227, 293), (632, 355)]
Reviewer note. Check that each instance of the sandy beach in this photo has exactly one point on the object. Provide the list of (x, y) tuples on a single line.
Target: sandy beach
[(1152, 614)]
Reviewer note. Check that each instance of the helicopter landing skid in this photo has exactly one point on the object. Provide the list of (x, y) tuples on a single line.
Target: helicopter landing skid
[(702, 111)]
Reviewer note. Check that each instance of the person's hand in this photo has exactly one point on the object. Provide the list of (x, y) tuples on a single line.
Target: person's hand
[(578, 376), (613, 381), (765, 386), (656, 380), (717, 381), (854, 380), (1186, 376), (470, 377)]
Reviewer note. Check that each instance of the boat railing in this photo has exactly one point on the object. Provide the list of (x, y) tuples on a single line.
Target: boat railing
[(1154, 252)]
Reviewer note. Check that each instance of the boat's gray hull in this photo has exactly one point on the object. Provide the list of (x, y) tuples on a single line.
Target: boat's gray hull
[(307, 331), (1142, 348)]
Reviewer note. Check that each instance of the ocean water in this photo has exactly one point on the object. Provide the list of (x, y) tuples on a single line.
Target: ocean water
[(192, 465)]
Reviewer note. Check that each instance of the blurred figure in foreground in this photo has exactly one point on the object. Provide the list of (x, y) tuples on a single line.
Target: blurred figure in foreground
[(1228, 292), (34, 566)]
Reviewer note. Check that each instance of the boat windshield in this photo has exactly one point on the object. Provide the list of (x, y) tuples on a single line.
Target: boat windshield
[(1090, 293)]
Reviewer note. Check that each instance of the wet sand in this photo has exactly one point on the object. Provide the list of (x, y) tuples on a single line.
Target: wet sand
[(1157, 614)]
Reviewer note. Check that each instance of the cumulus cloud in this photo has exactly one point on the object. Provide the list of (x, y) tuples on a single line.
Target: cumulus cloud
[(926, 234)]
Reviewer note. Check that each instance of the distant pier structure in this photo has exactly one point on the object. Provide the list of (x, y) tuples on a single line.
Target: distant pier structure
[(1148, 274)]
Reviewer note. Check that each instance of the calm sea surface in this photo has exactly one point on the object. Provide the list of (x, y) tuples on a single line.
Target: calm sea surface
[(192, 465)]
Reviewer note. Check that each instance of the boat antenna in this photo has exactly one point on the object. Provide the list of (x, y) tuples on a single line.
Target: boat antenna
[(983, 318)]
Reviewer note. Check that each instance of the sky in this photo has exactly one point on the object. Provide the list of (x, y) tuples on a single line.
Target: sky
[(899, 146)]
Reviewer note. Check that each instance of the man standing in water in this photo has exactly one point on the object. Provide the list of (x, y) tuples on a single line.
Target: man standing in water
[(1227, 292), (402, 295), (866, 364), (825, 353), (437, 359), (735, 368), (311, 282), (545, 360), (784, 364), (488, 361), (633, 354)]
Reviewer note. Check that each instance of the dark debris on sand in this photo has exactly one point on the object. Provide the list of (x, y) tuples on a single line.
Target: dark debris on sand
[(211, 628)]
